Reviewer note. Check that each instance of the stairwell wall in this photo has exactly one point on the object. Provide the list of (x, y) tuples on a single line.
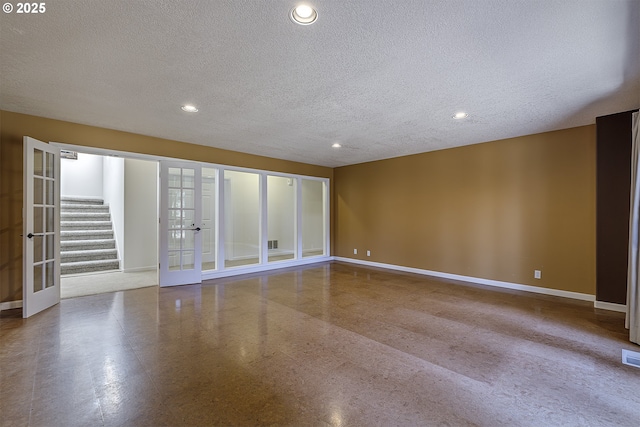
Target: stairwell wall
[(140, 215), (113, 192), (82, 177)]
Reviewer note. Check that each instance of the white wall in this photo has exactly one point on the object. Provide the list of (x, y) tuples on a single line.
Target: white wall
[(113, 193), (281, 215), (312, 215), (82, 177), (242, 215), (140, 215)]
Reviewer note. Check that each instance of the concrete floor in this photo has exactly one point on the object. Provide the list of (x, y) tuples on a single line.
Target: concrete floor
[(327, 344)]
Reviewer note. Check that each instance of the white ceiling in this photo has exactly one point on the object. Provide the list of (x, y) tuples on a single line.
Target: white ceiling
[(383, 78)]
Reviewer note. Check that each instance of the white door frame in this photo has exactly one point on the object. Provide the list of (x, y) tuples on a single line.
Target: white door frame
[(41, 233)]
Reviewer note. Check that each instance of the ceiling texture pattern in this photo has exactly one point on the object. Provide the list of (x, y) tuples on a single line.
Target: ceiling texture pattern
[(382, 78)]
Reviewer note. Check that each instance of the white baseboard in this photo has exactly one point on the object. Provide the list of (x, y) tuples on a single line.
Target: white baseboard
[(284, 264), (139, 269), (476, 280), (622, 308), (9, 305), (236, 271)]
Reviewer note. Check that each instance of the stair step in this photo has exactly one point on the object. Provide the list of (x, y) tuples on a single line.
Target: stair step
[(85, 225), (89, 266), (85, 216), (71, 207), (66, 235), (88, 255), (79, 245), (81, 200)]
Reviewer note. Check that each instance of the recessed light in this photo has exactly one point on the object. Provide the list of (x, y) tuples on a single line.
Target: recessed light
[(189, 108), (336, 145), (460, 115), (303, 14)]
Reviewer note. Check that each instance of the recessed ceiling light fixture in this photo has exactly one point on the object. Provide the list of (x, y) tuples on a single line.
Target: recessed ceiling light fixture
[(336, 145), (460, 115), (189, 108), (303, 14)]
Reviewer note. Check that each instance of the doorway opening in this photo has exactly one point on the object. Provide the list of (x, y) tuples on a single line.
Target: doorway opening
[(108, 223)]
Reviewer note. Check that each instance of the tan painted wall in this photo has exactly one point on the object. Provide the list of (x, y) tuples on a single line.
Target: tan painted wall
[(14, 126), (496, 210)]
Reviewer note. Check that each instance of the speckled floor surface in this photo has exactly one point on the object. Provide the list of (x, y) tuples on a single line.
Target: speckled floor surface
[(328, 344)]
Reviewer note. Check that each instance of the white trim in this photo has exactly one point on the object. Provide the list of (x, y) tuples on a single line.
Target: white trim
[(628, 354), (258, 268), (263, 223), (622, 308), (139, 269), (326, 211), (243, 257), (477, 280), (99, 151), (297, 200), (9, 305)]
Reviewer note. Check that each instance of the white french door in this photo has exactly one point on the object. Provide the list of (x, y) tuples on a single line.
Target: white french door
[(41, 227), (180, 223)]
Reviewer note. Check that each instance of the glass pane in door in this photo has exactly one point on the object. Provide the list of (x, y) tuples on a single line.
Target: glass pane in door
[(38, 219), (37, 278), (37, 162), (50, 274), (37, 250), (37, 190), (50, 165)]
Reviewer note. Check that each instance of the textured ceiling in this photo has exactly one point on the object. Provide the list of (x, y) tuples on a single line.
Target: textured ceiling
[(382, 78)]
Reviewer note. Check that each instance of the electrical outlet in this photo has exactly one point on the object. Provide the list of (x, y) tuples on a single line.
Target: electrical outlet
[(537, 274), (355, 251), (368, 253)]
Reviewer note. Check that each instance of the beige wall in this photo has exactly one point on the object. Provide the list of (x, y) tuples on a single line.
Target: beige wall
[(496, 210), (14, 126)]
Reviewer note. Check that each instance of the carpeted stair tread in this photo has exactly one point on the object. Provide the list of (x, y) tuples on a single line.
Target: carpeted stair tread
[(85, 216), (66, 235), (88, 255), (80, 207), (74, 245), (89, 266), (86, 225), (81, 200), (90, 252)]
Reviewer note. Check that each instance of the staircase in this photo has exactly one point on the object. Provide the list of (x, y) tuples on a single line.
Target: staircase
[(87, 243)]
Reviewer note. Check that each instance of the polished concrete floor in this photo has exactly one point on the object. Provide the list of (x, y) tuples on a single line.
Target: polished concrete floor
[(327, 344)]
